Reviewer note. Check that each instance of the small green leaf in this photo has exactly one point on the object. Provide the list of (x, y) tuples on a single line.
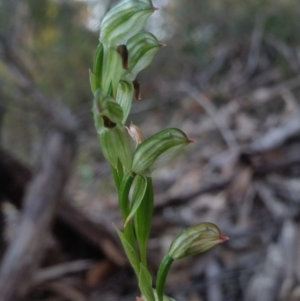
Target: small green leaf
[(132, 255), (145, 283), (142, 47), (124, 21), (157, 150), (139, 191), (124, 97), (195, 239), (115, 146)]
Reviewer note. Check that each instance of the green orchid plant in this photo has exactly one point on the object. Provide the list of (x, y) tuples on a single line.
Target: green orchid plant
[(123, 51)]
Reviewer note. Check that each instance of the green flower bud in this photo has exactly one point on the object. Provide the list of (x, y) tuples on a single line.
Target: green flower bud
[(115, 146), (141, 48), (108, 109), (195, 239), (124, 21), (157, 150)]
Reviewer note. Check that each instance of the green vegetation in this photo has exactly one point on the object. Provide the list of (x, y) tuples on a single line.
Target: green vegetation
[(123, 51)]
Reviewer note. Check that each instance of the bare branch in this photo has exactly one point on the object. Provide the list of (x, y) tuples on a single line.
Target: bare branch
[(26, 250)]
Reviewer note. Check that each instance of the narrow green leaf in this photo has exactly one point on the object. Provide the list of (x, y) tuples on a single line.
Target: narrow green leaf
[(124, 205), (124, 202), (139, 191), (97, 66), (92, 81), (157, 150), (124, 21), (98, 120), (142, 47), (143, 219), (112, 69), (145, 283), (130, 252), (124, 97), (116, 176)]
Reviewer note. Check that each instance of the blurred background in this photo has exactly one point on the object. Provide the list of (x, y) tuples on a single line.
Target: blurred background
[(229, 78)]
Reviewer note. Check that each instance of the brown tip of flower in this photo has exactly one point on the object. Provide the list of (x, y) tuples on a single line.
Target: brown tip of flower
[(163, 45), (137, 91), (122, 50), (108, 123), (224, 238), (191, 140), (155, 8)]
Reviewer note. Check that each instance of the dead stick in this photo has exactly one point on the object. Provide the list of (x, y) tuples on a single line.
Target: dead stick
[(24, 254)]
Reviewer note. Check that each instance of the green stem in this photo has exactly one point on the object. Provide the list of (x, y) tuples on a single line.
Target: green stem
[(162, 276), (143, 254)]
